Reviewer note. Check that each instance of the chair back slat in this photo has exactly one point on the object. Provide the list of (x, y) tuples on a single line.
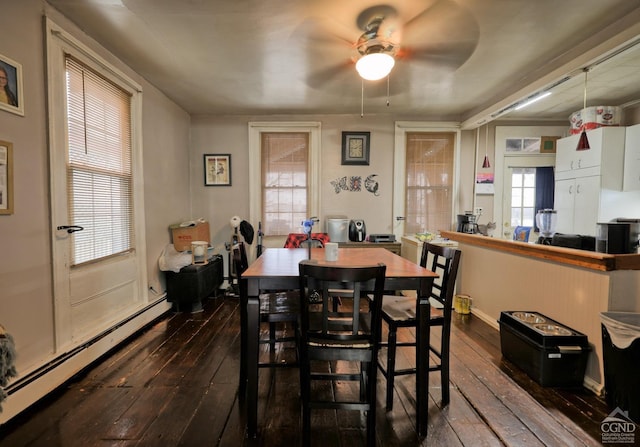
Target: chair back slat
[(323, 279), (445, 262)]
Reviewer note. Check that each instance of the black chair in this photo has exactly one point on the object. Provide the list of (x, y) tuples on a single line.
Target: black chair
[(400, 312), (275, 308), (344, 347)]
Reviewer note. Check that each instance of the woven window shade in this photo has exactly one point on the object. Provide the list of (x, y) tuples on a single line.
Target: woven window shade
[(285, 174), (429, 182)]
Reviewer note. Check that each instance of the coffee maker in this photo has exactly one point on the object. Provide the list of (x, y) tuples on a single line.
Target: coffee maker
[(357, 230), (467, 223)]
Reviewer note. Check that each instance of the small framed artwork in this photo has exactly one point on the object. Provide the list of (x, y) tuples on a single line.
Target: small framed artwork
[(217, 169), (548, 145), (355, 148), (11, 86), (6, 177)]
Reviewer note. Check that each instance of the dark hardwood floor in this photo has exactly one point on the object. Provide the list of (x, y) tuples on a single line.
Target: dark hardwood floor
[(175, 384)]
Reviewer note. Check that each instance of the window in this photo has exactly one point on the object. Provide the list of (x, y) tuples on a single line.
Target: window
[(523, 196), (99, 171), (278, 195), (285, 161), (429, 181)]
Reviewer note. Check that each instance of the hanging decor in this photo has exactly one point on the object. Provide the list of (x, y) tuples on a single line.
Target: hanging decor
[(485, 162), (583, 142)]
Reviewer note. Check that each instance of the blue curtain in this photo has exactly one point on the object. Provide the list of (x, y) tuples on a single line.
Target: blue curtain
[(545, 184)]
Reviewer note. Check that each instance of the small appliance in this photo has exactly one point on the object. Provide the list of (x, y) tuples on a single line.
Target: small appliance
[(619, 236), (357, 230), (382, 238), (467, 223), (338, 229), (546, 221)]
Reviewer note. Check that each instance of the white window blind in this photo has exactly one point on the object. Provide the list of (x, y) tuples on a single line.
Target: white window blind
[(99, 172), (285, 165), (429, 184)]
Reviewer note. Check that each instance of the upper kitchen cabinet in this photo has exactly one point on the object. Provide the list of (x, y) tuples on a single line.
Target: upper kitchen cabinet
[(604, 158), (581, 176), (631, 180)]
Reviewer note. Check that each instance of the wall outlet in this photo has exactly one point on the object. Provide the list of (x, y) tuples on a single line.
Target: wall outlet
[(478, 211)]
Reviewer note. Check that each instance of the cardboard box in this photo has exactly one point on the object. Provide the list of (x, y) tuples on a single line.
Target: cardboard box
[(183, 236)]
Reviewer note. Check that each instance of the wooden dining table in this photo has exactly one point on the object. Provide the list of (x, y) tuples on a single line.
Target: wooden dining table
[(277, 269)]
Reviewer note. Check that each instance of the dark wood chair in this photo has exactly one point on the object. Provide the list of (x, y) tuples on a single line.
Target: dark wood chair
[(276, 308), (400, 312), (336, 348)]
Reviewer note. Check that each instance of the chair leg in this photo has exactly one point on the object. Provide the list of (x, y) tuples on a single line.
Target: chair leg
[(371, 413), (272, 337), (444, 369), (391, 364)]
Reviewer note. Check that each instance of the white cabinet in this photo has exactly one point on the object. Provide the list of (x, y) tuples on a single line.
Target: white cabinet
[(582, 175), (605, 157), (631, 179), (577, 202)]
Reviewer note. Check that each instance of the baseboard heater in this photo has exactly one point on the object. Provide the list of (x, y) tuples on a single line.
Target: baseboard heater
[(64, 357)]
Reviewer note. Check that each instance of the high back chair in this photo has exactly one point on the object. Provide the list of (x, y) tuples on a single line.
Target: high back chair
[(275, 308), (400, 312), (343, 348)]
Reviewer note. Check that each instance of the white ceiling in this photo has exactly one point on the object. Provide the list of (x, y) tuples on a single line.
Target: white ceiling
[(460, 60)]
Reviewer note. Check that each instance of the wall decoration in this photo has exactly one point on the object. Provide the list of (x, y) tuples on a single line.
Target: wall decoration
[(340, 184), (355, 148), (484, 183), (548, 145), (371, 184), (217, 169), (11, 86), (6, 177), (354, 184)]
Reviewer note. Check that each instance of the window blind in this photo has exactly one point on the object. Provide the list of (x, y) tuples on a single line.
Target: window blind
[(99, 171), (285, 165), (429, 184)]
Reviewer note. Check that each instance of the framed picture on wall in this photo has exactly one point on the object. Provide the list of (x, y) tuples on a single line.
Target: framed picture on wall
[(355, 148), (11, 86), (217, 169), (6, 177), (548, 145)]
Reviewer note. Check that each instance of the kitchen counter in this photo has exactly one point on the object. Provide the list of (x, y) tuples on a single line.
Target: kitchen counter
[(568, 285), (582, 258)]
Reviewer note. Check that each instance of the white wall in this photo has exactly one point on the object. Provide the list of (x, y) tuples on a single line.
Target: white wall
[(26, 295)]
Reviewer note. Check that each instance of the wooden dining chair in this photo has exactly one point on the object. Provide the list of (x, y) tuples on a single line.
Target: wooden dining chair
[(276, 308), (335, 349), (400, 312)]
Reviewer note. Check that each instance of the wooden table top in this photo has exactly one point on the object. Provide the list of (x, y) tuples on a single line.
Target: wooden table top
[(283, 262)]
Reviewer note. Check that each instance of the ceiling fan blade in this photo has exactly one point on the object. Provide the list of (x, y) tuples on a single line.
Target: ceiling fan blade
[(445, 32), (449, 55), (320, 78)]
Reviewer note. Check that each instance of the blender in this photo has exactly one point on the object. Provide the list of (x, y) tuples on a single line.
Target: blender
[(546, 220)]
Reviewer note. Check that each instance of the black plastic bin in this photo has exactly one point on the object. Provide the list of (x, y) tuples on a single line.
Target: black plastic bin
[(621, 358)]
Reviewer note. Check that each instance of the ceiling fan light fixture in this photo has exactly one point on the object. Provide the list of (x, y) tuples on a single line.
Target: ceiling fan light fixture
[(375, 66)]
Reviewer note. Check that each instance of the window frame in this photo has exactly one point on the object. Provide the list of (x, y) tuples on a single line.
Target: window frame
[(255, 164), (402, 128)]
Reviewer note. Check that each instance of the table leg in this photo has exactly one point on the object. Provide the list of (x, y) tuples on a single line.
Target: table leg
[(253, 328), (422, 364), (242, 389)]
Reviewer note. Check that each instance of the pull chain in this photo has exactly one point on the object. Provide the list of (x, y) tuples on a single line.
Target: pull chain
[(388, 76), (362, 98)]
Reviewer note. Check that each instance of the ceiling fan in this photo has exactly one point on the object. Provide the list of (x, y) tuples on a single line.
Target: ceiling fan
[(441, 37)]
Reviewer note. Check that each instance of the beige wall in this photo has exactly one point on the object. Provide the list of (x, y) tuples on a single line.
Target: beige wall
[(26, 295), (211, 134)]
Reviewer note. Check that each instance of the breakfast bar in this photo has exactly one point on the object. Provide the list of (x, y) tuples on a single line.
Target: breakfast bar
[(569, 285)]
